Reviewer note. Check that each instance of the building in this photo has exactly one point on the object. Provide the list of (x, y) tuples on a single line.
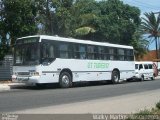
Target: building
[(151, 56)]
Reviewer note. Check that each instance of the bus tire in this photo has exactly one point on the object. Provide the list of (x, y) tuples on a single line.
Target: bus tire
[(115, 77), (65, 80)]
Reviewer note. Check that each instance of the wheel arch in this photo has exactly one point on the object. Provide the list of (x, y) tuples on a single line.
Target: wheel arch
[(67, 70), (116, 69)]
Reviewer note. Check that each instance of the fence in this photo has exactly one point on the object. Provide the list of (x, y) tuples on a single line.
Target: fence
[(6, 67)]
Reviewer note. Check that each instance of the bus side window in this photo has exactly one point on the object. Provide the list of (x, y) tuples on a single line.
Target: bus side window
[(44, 51), (101, 53), (76, 51), (111, 52), (140, 66), (51, 51), (82, 51), (121, 54), (91, 50), (63, 48), (96, 53), (48, 51)]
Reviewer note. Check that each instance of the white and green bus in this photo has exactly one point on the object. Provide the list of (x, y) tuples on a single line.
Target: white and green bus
[(44, 59)]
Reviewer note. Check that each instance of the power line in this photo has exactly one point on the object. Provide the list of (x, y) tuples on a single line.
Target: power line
[(141, 4), (146, 4), (143, 7)]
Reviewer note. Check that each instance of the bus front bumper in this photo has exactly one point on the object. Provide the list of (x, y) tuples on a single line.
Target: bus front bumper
[(31, 80)]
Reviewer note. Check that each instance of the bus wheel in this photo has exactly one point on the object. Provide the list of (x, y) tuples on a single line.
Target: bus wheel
[(65, 80), (115, 76)]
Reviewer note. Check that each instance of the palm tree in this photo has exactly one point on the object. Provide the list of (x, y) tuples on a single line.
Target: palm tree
[(140, 45), (151, 25)]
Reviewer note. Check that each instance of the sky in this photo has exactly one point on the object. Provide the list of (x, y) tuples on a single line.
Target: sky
[(145, 6)]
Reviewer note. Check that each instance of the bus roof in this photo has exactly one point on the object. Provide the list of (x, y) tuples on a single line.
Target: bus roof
[(57, 38)]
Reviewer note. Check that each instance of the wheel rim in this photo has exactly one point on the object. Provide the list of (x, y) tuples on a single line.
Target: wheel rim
[(65, 80), (115, 77)]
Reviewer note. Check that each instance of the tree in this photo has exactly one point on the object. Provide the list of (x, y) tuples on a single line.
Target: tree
[(45, 16), (63, 17), (107, 21), (151, 25), (118, 21), (85, 16), (140, 45), (4, 43), (19, 18)]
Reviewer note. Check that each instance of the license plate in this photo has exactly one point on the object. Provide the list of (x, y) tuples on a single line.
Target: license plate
[(22, 79)]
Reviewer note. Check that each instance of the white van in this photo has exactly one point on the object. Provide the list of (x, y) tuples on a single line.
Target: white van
[(144, 70)]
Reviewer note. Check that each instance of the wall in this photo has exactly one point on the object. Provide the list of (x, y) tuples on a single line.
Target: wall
[(6, 68)]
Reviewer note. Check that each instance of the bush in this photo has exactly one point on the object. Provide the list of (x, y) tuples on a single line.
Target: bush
[(140, 114), (158, 105), (144, 112)]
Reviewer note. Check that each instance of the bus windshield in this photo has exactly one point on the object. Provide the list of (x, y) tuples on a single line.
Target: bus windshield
[(27, 54)]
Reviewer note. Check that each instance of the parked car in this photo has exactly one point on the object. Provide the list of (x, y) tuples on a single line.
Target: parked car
[(145, 70)]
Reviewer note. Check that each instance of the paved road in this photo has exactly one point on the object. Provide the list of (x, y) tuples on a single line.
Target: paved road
[(33, 98)]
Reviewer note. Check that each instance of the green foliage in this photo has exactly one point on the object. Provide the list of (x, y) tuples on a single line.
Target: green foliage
[(84, 30), (107, 21), (112, 20), (19, 18), (158, 105), (151, 25), (62, 17), (140, 45), (145, 114), (3, 50)]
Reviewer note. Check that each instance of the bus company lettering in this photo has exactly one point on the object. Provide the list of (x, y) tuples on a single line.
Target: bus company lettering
[(98, 65)]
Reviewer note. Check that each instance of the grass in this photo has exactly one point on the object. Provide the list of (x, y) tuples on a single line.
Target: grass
[(152, 114)]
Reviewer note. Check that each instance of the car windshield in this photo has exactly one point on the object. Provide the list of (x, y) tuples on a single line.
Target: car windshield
[(27, 54)]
